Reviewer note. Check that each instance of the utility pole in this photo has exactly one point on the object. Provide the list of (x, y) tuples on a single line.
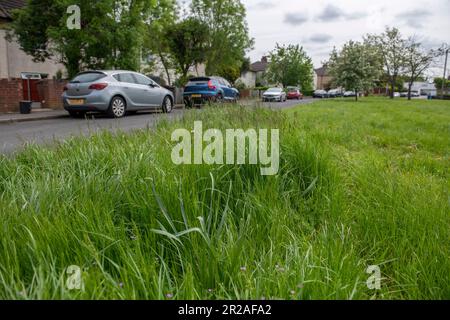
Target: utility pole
[(444, 82)]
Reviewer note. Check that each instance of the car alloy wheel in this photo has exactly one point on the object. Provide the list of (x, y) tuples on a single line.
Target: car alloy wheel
[(117, 108), (167, 105)]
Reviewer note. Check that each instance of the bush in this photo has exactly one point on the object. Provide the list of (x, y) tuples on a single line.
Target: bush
[(240, 85)]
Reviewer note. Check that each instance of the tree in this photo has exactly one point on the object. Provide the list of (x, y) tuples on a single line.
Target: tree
[(110, 35), (231, 73), (187, 41), (290, 66), (417, 60), (155, 41), (228, 38), (440, 83), (392, 49), (356, 66)]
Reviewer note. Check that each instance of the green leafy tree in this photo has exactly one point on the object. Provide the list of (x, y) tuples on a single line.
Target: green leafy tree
[(392, 48), (187, 41), (417, 61), (155, 41), (228, 39), (439, 81), (245, 66), (111, 33), (290, 66), (231, 73), (355, 67)]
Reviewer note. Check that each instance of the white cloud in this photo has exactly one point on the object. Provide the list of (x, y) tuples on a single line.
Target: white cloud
[(302, 22)]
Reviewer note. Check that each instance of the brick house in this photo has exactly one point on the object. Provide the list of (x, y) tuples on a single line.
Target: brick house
[(15, 64), (322, 80)]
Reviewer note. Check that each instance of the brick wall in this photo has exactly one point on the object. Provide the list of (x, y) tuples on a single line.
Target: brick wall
[(10, 95), (50, 92)]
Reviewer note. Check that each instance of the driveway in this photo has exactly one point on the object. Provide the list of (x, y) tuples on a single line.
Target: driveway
[(15, 135)]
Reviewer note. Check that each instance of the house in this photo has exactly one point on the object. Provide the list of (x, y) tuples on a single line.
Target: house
[(322, 80), (13, 61), (255, 75), (21, 77), (423, 88), (152, 66)]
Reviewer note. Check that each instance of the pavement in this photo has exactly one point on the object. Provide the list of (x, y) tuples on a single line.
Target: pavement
[(50, 126), (36, 114)]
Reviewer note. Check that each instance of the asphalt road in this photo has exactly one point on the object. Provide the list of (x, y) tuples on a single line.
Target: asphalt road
[(13, 136)]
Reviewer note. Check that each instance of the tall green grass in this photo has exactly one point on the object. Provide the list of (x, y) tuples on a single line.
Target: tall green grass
[(360, 184)]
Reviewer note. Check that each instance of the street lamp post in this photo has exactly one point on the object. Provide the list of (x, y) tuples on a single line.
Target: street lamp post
[(444, 80)]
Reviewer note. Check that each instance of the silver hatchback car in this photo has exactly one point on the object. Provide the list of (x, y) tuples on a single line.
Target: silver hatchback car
[(115, 93)]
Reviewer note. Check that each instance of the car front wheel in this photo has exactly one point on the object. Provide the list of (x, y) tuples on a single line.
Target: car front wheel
[(117, 108), (167, 105)]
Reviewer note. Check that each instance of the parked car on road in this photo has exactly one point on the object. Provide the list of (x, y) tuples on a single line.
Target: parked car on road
[(115, 93), (205, 89), (414, 94), (294, 93), (274, 94), (334, 93), (397, 94), (320, 94), (349, 94)]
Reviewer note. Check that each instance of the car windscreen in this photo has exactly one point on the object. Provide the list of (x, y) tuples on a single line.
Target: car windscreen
[(88, 77), (274, 90)]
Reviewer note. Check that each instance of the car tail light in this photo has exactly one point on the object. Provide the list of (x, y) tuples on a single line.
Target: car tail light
[(98, 86), (65, 88), (211, 85)]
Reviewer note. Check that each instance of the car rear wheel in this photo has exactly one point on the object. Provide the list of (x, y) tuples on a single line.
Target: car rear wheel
[(167, 105), (117, 108)]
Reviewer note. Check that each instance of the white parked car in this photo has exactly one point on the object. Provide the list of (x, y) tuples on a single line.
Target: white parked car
[(274, 94), (349, 94)]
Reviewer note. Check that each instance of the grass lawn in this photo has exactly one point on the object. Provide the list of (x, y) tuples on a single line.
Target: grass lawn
[(360, 184)]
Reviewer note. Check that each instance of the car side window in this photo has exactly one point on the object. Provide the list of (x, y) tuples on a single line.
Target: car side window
[(140, 79), (126, 77)]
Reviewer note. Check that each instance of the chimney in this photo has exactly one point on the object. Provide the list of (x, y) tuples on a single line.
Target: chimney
[(264, 59)]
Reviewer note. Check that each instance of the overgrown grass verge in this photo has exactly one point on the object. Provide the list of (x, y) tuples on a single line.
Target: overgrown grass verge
[(359, 184)]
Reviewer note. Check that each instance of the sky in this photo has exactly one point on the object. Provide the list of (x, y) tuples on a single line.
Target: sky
[(321, 24)]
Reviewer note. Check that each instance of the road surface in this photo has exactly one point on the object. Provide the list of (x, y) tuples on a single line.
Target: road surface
[(13, 136)]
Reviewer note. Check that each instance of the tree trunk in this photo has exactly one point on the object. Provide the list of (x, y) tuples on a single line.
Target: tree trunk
[(409, 90), (356, 95), (166, 69), (391, 94)]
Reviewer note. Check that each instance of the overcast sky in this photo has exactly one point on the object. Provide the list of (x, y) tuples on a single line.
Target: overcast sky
[(321, 24)]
